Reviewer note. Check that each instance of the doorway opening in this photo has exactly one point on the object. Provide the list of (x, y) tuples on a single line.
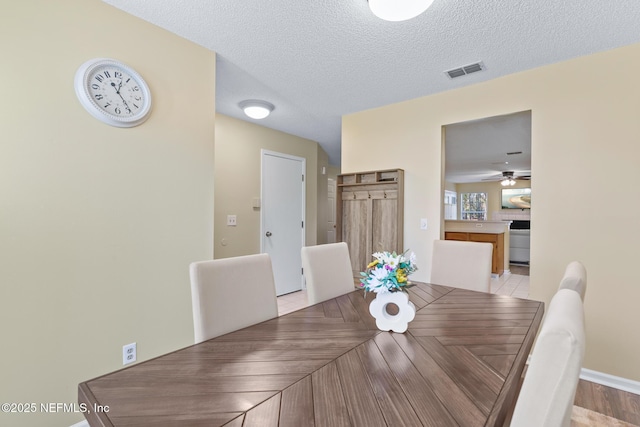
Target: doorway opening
[(488, 156)]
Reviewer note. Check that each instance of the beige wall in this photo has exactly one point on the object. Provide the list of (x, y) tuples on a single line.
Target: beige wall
[(585, 149), (237, 153), (322, 172), (97, 224), (333, 172)]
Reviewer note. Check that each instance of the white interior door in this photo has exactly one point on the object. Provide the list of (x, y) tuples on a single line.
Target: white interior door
[(331, 223), (282, 217)]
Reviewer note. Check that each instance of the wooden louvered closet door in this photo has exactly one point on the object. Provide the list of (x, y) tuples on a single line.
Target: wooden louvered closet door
[(370, 214)]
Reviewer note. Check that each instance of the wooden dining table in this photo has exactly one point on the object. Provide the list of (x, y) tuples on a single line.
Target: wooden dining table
[(458, 364)]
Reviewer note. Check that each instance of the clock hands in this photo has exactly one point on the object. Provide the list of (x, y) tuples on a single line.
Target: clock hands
[(118, 92)]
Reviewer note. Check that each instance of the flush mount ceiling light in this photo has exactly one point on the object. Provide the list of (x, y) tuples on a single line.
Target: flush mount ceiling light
[(256, 109), (398, 10)]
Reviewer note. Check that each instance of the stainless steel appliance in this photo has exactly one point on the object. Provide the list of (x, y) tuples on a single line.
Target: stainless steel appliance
[(519, 242)]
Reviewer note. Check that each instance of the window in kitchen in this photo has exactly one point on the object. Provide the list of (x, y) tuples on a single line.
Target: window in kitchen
[(450, 204), (473, 206)]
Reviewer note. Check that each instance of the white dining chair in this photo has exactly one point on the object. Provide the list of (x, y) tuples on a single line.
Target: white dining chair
[(231, 293), (548, 391), (461, 264), (575, 278), (327, 271)]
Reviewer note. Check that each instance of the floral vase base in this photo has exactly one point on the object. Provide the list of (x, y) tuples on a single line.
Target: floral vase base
[(392, 322)]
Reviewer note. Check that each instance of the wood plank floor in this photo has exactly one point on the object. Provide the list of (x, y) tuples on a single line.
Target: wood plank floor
[(609, 401), (594, 397)]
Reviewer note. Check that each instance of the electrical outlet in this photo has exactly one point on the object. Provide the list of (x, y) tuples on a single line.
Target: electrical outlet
[(231, 220), (129, 353)]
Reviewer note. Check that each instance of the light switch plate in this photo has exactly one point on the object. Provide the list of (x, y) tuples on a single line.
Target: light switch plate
[(423, 223)]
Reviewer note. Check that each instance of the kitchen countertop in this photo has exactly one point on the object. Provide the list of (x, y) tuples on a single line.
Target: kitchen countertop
[(488, 227)]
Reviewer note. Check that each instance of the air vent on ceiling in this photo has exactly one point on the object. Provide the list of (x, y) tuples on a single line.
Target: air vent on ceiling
[(465, 69)]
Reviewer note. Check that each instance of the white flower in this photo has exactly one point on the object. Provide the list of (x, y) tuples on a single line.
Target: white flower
[(388, 259), (377, 280), (379, 256), (379, 274)]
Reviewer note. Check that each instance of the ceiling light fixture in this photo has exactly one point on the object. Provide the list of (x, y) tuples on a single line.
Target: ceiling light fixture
[(507, 179), (256, 109), (398, 10)]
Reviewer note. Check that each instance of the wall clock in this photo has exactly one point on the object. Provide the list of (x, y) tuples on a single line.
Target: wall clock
[(113, 92)]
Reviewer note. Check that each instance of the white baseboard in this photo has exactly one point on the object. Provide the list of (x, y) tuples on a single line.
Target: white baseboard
[(620, 383), (81, 424)]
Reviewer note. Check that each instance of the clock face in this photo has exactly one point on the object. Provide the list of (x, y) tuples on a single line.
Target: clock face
[(113, 92)]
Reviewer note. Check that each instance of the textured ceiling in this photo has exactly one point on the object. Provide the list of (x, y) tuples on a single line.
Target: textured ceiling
[(482, 149), (316, 61)]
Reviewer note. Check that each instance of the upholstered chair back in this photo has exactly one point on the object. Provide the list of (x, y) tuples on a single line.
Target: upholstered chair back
[(551, 380), (461, 264), (231, 293), (327, 271), (575, 278)]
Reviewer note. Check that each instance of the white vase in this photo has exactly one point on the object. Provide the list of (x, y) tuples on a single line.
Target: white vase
[(392, 322)]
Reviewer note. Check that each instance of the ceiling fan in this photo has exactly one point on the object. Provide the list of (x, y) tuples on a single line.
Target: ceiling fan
[(508, 178)]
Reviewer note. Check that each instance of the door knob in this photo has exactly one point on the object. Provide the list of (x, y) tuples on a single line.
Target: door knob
[(268, 234)]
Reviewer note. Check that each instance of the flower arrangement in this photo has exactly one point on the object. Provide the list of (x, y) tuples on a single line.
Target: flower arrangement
[(388, 272)]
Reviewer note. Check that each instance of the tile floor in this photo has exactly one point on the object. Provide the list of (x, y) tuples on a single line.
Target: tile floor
[(292, 302), (514, 285)]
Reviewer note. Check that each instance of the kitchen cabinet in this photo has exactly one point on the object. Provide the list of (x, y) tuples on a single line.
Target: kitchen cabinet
[(497, 239), (369, 214)]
